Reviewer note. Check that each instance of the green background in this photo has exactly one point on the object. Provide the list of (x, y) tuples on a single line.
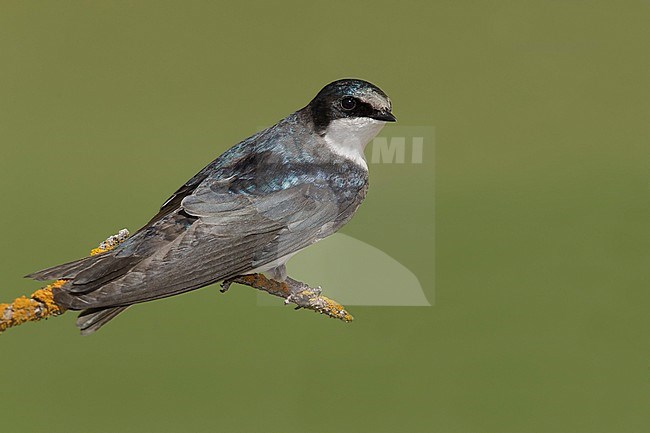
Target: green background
[(540, 320)]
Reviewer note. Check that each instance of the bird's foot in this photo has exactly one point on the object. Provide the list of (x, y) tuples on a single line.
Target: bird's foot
[(225, 285)]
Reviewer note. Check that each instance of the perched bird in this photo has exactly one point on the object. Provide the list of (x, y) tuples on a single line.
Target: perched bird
[(248, 211)]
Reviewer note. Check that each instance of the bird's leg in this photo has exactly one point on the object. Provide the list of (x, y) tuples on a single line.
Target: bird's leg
[(225, 285), (279, 273), (293, 291)]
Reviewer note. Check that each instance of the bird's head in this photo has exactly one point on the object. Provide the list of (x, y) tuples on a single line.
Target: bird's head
[(350, 102)]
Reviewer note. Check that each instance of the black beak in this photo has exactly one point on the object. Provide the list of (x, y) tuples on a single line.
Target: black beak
[(386, 116)]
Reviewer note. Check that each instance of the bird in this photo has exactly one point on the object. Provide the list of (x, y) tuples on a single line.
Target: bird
[(248, 211)]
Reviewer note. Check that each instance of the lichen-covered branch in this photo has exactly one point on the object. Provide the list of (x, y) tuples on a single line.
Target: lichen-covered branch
[(41, 305), (293, 292), (110, 242)]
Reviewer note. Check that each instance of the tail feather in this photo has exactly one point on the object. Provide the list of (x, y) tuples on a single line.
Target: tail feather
[(66, 271), (101, 272), (92, 319), (89, 273)]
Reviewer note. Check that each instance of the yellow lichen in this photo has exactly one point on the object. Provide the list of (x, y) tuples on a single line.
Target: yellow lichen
[(39, 305), (97, 250), (334, 309), (22, 310), (46, 297), (110, 242)]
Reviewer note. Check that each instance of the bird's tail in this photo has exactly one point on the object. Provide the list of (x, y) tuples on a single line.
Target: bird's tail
[(69, 271), (66, 271), (92, 319), (43, 303)]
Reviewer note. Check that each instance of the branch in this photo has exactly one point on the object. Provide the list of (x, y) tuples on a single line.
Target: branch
[(41, 304), (293, 292)]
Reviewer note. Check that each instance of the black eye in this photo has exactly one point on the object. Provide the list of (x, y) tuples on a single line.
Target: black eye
[(348, 103)]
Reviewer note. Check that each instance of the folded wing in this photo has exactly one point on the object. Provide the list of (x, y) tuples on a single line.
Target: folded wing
[(216, 235)]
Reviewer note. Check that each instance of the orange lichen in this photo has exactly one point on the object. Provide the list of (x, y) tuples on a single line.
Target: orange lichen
[(40, 305), (46, 297), (23, 309)]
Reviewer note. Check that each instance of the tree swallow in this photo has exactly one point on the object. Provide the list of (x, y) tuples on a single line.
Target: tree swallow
[(248, 211)]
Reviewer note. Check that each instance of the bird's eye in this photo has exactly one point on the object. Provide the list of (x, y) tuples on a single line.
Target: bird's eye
[(348, 103)]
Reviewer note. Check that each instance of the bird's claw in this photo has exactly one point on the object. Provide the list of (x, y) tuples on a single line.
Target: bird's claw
[(225, 285)]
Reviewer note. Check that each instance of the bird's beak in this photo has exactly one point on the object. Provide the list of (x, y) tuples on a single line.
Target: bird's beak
[(384, 116)]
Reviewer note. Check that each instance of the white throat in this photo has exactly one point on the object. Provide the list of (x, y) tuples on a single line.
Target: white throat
[(348, 137)]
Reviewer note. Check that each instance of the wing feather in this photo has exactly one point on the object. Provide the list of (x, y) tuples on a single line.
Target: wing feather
[(233, 235)]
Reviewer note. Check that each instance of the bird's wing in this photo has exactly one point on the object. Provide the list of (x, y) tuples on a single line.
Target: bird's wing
[(232, 234), (300, 216), (174, 201), (234, 161)]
